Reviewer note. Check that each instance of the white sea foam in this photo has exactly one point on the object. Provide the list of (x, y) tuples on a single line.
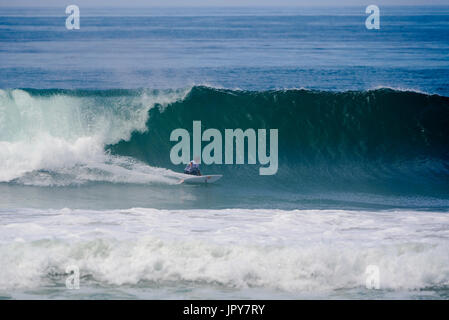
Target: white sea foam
[(403, 89), (296, 251), (60, 139)]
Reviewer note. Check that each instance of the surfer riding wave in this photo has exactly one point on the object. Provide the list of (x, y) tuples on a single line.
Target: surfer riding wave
[(193, 168)]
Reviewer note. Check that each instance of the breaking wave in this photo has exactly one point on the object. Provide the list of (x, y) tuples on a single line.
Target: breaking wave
[(380, 137)]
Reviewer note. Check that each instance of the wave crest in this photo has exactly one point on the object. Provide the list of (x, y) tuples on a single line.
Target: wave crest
[(56, 131)]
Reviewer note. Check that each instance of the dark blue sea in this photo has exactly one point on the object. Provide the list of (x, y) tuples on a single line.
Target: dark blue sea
[(86, 177)]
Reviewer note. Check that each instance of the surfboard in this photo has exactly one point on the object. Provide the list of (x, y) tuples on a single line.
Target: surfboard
[(186, 178)]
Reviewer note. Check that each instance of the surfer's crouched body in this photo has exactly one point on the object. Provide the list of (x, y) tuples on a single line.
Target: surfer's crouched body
[(193, 168)]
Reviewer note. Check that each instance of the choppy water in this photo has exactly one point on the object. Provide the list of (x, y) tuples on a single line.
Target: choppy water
[(86, 177)]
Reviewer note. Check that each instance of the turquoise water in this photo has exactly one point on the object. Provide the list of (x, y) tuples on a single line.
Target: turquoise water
[(86, 177)]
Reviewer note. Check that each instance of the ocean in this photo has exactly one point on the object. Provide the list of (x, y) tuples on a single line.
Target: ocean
[(86, 178)]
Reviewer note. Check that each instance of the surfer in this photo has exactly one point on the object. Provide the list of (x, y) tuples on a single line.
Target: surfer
[(193, 168)]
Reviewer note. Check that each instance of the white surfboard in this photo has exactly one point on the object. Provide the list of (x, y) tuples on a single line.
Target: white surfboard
[(186, 178)]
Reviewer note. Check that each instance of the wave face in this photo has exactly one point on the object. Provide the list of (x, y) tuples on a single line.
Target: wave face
[(378, 137), (383, 137)]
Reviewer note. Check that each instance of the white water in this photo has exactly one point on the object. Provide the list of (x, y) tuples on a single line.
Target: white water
[(60, 139), (300, 252)]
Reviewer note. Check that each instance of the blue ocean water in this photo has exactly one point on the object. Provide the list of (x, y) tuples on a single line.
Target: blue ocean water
[(247, 48), (86, 177)]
